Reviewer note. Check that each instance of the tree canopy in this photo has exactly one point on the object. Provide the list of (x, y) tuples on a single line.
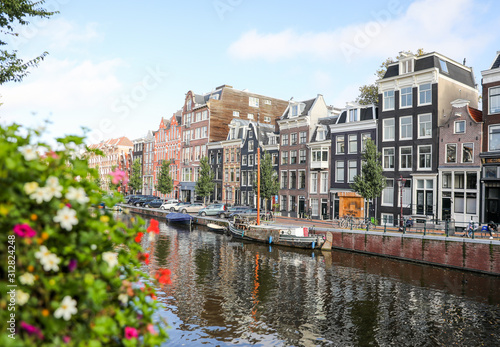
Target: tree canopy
[(205, 184), (269, 185), (135, 182), (165, 184), (12, 14)]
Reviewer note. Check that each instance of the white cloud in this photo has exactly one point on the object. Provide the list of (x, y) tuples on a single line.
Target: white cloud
[(429, 24)]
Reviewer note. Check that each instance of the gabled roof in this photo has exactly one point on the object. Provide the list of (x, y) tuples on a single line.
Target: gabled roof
[(476, 114), (496, 63), (307, 107)]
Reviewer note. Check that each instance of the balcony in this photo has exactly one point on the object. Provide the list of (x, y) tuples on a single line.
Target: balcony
[(319, 165)]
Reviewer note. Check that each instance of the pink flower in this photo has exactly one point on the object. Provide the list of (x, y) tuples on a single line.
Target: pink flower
[(66, 339), (31, 330), (130, 333), (119, 176), (72, 265), (24, 230), (151, 329)]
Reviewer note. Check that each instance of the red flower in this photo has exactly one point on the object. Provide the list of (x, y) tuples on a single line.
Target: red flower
[(24, 230), (154, 226), (143, 257), (146, 260), (131, 333), (138, 238), (163, 276)]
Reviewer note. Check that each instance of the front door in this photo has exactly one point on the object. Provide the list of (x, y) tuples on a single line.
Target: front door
[(446, 209), (302, 206)]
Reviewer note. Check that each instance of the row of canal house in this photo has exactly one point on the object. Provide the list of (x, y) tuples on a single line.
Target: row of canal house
[(440, 153)]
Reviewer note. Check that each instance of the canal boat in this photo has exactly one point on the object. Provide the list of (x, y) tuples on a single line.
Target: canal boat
[(277, 235), (179, 218), (216, 227)]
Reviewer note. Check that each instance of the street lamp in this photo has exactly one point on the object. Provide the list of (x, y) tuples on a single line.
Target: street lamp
[(227, 186), (402, 182)]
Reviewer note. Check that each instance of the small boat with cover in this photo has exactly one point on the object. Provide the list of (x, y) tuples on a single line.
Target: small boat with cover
[(179, 218)]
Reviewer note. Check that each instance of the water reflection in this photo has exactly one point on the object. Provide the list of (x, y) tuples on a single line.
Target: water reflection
[(225, 292)]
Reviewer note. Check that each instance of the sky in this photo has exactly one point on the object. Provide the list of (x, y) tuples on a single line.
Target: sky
[(118, 67)]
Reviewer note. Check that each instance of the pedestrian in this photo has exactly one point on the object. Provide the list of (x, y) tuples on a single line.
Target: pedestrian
[(409, 224), (470, 228)]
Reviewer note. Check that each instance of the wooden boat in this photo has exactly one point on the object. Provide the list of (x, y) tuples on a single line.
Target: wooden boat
[(179, 218), (216, 227), (277, 235)]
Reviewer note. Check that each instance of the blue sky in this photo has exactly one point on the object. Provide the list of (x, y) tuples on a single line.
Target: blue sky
[(117, 67)]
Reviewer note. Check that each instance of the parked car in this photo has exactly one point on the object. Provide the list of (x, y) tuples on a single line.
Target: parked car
[(154, 203), (178, 206), (167, 205), (249, 212), (224, 214), (191, 208), (142, 201), (214, 210), (132, 200)]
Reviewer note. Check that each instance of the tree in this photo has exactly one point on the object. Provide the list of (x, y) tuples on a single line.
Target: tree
[(269, 185), (371, 182), (165, 184), (135, 182), (12, 13), (368, 93), (205, 184)]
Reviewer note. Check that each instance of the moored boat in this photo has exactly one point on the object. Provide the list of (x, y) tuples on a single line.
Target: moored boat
[(179, 218), (216, 227), (277, 235)]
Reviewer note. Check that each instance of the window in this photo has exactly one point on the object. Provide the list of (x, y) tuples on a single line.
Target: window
[(388, 193), (254, 102), (320, 155), (388, 100), (293, 179), (471, 180), (204, 115), (295, 110), (303, 137), (244, 160), (460, 127), (275, 158), (237, 175), (284, 140), (406, 127), (284, 180), (425, 197), (244, 178), (302, 179), (406, 66), (292, 203), (406, 191), (340, 144), (387, 219), (293, 157), (339, 171), (424, 157), (364, 138), (494, 138), (467, 152), (236, 113), (353, 170), (284, 158), (406, 158), (250, 145), (425, 125), (302, 156), (424, 92), (406, 97), (353, 143), (250, 116), (451, 153), (444, 67), (321, 136), (494, 100), (293, 139), (446, 180), (250, 160), (189, 104), (459, 180), (388, 129), (283, 203), (314, 182), (267, 102), (353, 115), (388, 158), (490, 172), (324, 182), (314, 207), (267, 119)]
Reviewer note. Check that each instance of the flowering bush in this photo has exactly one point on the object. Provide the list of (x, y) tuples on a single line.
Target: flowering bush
[(71, 270)]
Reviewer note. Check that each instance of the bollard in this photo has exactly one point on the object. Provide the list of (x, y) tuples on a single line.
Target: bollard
[(385, 227), (446, 230), (425, 226)]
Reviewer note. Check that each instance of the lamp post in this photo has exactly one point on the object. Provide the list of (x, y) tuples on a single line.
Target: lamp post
[(402, 182)]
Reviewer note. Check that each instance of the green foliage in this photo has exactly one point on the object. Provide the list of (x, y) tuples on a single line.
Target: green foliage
[(135, 181), (12, 13), (371, 182), (269, 184), (165, 184), (64, 252), (205, 184), (368, 93)]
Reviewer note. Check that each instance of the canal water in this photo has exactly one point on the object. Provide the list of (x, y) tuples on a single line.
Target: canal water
[(226, 292)]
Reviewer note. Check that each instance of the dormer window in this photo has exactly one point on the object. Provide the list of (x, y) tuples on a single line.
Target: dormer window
[(406, 66), (233, 132), (353, 115), (295, 110), (444, 67), (321, 134)]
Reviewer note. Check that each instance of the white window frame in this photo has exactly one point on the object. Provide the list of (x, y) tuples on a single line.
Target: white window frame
[(385, 192), (492, 90), (353, 115), (455, 126), (252, 101), (472, 154), (427, 93), (314, 182), (337, 142), (385, 127), (425, 136), (250, 116), (406, 126), (401, 158), (244, 160), (355, 137), (339, 178), (236, 114), (284, 140), (386, 157), (430, 160), (405, 95), (388, 95), (324, 182), (491, 128), (387, 219), (349, 167), (446, 153)]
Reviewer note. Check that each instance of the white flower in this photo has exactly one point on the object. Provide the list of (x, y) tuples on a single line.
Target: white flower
[(67, 308), (41, 194), (21, 297), (77, 194), (53, 187), (50, 262), (151, 236), (43, 252), (123, 298), (110, 258), (27, 278), (30, 187), (93, 247), (29, 152), (66, 217)]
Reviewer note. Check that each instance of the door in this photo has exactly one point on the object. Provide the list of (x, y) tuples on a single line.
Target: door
[(302, 206), (324, 209), (446, 209)]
